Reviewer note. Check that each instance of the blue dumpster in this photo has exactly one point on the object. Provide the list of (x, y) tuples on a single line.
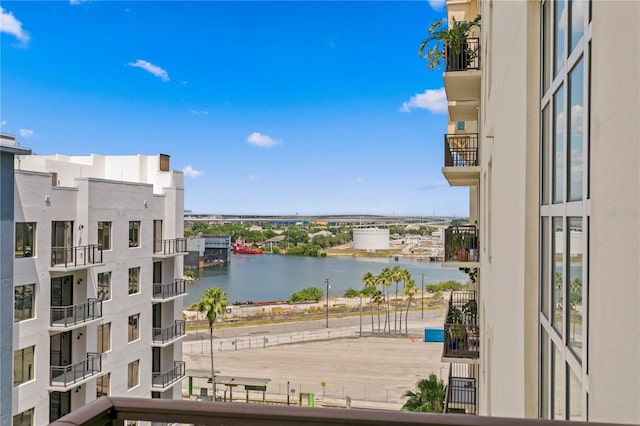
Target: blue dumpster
[(434, 334)]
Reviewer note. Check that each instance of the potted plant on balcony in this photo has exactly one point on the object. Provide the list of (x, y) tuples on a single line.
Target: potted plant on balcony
[(457, 330), (455, 37), (458, 247)]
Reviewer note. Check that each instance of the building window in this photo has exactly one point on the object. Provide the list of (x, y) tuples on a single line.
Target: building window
[(134, 333), (134, 280), (460, 125), (104, 235), (23, 365), (24, 296), (102, 385), (104, 285), (104, 337), (25, 239), (24, 419), (134, 234), (133, 374)]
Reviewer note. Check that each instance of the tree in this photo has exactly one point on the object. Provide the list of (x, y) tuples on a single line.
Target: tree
[(440, 35), (307, 294), (384, 280), (428, 397), (410, 289), (369, 281), (213, 302), (377, 298)]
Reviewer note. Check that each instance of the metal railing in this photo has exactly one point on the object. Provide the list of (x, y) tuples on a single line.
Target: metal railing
[(461, 149), (69, 256), (463, 56), (66, 316), (462, 396), (461, 244), (114, 411), (163, 335), (461, 330), (63, 376), (165, 378), (166, 291), (167, 247)]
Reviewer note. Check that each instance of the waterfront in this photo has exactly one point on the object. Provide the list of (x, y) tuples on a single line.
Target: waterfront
[(275, 277)]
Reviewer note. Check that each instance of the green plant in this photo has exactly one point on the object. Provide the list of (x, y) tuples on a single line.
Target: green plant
[(440, 35), (454, 316), (307, 294), (428, 397)]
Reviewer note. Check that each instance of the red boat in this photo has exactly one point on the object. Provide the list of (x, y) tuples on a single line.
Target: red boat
[(239, 247)]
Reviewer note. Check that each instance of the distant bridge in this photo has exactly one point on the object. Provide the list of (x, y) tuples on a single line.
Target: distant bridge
[(331, 220)]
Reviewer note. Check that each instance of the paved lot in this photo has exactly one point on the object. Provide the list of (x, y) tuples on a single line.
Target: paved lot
[(373, 371)]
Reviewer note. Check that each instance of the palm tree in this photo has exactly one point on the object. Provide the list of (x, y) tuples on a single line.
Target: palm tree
[(410, 289), (396, 277), (214, 302), (369, 281), (377, 298), (428, 397), (384, 279)]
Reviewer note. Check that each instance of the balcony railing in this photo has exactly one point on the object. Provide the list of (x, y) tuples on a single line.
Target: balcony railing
[(462, 387), (169, 247), (461, 244), (461, 150), (164, 379), (169, 290), (70, 257), (67, 316), (164, 335), (461, 330), (463, 56), (116, 410), (64, 376)]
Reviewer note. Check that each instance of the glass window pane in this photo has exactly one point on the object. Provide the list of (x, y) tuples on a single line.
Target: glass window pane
[(578, 9), (558, 259), (560, 120), (544, 154), (574, 280), (545, 390), (576, 131), (575, 396), (546, 46), (557, 377), (546, 288), (134, 280), (560, 27)]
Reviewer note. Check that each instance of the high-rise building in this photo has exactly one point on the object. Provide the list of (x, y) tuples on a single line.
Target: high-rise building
[(97, 282), (544, 108)]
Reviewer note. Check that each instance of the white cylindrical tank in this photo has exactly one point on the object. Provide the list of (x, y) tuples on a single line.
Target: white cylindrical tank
[(370, 239)]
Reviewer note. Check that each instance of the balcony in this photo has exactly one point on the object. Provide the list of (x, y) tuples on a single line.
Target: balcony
[(70, 316), (169, 248), (461, 330), (165, 336), (164, 292), (117, 410), (69, 258), (462, 73), (461, 167), (162, 381), (461, 247), (65, 377), (461, 397)]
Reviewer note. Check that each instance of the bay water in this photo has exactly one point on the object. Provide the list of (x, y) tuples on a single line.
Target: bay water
[(260, 278)]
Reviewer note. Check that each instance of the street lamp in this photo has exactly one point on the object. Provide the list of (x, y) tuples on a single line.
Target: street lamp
[(326, 281)]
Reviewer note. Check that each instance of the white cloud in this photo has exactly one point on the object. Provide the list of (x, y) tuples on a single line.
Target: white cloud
[(153, 69), (436, 4), (77, 1), (259, 139), (432, 100), (360, 179), (434, 185), (10, 25), (196, 112), (26, 133), (254, 178), (191, 172), (3, 123)]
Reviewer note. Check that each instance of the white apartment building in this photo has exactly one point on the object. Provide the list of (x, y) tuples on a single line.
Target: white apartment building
[(97, 282), (544, 125)]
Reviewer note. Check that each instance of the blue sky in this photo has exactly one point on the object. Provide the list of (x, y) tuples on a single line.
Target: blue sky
[(268, 107)]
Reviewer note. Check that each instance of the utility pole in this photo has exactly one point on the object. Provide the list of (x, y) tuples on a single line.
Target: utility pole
[(326, 281), (422, 298)]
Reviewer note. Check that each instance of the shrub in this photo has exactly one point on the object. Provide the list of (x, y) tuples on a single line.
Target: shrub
[(307, 294)]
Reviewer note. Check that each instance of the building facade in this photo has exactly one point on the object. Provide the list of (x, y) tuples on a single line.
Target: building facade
[(97, 282), (543, 129)]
